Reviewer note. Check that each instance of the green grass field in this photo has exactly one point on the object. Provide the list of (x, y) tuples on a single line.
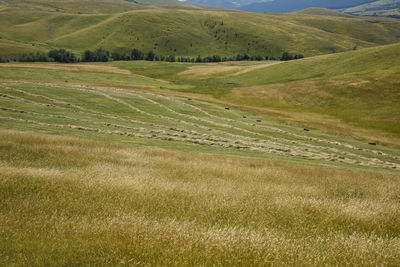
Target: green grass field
[(181, 164)]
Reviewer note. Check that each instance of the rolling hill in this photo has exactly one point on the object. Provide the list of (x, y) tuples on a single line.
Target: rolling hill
[(95, 6), (352, 93), (188, 32)]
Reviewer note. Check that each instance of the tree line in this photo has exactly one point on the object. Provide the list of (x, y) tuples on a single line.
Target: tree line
[(101, 55), (55, 55)]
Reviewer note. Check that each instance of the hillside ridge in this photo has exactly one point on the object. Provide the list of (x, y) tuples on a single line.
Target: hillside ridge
[(185, 32)]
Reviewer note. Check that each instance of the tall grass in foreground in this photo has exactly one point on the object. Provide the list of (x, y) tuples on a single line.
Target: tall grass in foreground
[(68, 201)]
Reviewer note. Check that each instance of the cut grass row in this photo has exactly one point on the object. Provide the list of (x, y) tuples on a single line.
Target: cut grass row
[(112, 111), (345, 98), (357, 91)]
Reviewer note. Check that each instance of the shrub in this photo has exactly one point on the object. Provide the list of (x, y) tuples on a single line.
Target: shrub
[(35, 57), (62, 55)]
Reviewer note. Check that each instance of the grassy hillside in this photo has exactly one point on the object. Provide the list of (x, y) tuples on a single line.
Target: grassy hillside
[(11, 49), (359, 88), (104, 112), (353, 93), (114, 174), (94, 6), (190, 33)]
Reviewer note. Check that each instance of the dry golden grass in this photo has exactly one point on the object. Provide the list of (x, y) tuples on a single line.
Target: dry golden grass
[(225, 68), (69, 67), (68, 201)]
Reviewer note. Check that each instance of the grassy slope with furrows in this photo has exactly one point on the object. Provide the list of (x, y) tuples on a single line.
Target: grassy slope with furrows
[(120, 114), (331, 92), (353, 93)]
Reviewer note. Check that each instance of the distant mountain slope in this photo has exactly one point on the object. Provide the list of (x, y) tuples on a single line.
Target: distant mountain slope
[(282, 6), (377, 8), (227, 3), (322, 12), (192, 33)]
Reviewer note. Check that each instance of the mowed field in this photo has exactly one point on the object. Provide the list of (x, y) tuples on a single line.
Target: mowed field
[(353, 93), (129, 163)]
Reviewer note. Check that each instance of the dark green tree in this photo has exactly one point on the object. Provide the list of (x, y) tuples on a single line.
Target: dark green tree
[(63, 56), (88, 56), (101, 55), (136, 54), (150, 56), (198, 59), (286, 56), (171, 58)]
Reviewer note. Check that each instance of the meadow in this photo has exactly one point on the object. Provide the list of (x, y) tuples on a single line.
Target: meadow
[(208, 164), (69, 201), (118, 171), (352, 93)]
